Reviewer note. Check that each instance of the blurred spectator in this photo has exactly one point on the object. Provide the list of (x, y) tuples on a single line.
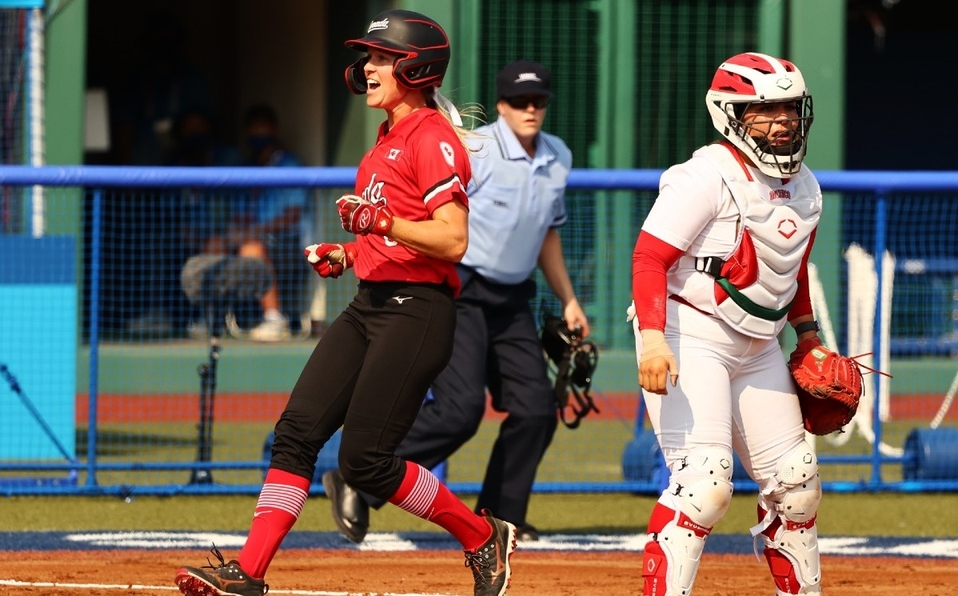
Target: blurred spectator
[(268, 226), (164, 85), (204, 213), (196, 144)]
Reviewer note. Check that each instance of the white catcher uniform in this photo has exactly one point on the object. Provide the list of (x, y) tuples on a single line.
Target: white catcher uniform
[(734, 390)]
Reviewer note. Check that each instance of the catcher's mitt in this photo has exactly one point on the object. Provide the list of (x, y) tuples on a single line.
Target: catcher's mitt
[(829, 387)]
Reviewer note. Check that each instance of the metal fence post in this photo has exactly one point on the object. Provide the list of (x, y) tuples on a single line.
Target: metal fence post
[(95, 249)]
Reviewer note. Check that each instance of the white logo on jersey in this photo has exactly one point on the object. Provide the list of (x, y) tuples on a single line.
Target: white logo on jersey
[(373, 192), (393, 154), (377, 25), (448, 153), (401, 299)]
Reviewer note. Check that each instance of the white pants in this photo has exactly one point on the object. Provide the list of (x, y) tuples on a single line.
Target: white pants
[(733, 391)]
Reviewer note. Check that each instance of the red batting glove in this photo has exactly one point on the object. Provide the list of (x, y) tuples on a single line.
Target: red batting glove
[(361, 217), (331, 260)]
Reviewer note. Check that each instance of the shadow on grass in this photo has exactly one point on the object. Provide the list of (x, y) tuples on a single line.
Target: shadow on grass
[(118, 443)]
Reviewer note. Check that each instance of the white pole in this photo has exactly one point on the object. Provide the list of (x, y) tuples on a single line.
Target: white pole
[(36, 115), (884, 383), (820, 306)]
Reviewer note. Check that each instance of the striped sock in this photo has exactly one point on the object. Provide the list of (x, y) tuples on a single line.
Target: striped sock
[(280, 502), (423, 495)]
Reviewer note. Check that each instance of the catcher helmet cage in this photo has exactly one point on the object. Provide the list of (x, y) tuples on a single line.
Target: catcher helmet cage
[(575, 362), (421, 43), (750, 78)]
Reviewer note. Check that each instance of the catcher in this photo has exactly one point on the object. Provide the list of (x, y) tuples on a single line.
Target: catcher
[(719, 268)]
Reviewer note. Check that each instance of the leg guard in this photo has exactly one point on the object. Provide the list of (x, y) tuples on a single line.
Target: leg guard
[(787, 509), (698, 496)]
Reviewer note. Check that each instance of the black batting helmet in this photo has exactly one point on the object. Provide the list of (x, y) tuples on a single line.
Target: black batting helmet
[(421, 43)]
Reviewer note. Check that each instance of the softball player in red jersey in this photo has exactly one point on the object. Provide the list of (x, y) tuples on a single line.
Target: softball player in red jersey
[(719, 267), (372, 367)]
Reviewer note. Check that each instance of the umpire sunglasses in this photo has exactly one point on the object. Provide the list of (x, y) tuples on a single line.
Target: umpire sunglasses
[(522, 102)]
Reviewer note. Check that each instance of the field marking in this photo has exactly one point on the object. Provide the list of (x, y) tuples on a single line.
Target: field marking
[(412, 541), (126, 587)]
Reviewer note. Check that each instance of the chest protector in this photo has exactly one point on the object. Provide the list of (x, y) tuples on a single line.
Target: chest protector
[(756, 283)]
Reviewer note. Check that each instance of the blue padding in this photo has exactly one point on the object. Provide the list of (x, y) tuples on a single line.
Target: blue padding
[(38, 342), (38, 331), (642, 461), (931, 454), (21, 3), (592, 178), (48, 260)]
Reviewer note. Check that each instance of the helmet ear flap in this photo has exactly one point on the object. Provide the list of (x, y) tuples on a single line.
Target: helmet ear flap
[(356, 77)]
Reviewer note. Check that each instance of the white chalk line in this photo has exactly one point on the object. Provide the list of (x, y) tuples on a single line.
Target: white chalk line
[(127, 587)]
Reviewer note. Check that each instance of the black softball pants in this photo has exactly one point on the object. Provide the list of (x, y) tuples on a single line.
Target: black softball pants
[(368, 374), (496, 348)]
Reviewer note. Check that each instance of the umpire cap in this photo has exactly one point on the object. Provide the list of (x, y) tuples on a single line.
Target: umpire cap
[(523, 77)]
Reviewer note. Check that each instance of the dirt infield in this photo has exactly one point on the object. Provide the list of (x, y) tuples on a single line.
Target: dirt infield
[(110, 573)]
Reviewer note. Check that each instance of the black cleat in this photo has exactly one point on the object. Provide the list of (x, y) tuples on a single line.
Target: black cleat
[(490, 562), (219, 580), (350, 511)]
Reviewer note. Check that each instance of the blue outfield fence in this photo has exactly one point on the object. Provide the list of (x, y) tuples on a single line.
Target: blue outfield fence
[(113, 381)]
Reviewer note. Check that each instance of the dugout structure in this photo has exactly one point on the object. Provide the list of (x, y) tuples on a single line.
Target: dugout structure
[(135, 397)]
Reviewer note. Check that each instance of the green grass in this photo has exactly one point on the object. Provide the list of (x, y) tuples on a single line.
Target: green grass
[(591, 453), (882, 514)]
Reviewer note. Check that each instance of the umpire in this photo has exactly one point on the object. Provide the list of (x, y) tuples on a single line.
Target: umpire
[(516, 204)]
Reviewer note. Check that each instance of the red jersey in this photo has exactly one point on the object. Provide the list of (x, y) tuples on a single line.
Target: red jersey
[(415, 168)]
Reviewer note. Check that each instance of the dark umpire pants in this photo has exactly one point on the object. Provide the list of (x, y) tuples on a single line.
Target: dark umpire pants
[(497, 347)]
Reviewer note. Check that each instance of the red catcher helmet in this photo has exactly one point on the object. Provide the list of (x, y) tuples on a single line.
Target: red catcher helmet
[(750, 78), (421, 43)]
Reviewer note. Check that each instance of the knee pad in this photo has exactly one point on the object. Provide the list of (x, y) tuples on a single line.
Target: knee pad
[(799, 484), (701, 485), (699, 494), (789, 506)]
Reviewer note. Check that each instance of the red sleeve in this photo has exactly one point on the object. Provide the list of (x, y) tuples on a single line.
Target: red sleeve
[(803, 302), (443, 170), (651, 259)]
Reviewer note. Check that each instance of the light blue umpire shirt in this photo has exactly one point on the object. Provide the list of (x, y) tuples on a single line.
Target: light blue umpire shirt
[(513, 201)]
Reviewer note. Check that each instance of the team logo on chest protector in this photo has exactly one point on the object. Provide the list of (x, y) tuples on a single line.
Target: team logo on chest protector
[(758, 280)]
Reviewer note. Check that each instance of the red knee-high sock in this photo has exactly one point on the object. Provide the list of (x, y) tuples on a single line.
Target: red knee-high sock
[(421, 494), (280, 503)]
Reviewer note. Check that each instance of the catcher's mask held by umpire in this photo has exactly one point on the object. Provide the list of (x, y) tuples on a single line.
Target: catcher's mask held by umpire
[(575, 362), (421, 43)]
